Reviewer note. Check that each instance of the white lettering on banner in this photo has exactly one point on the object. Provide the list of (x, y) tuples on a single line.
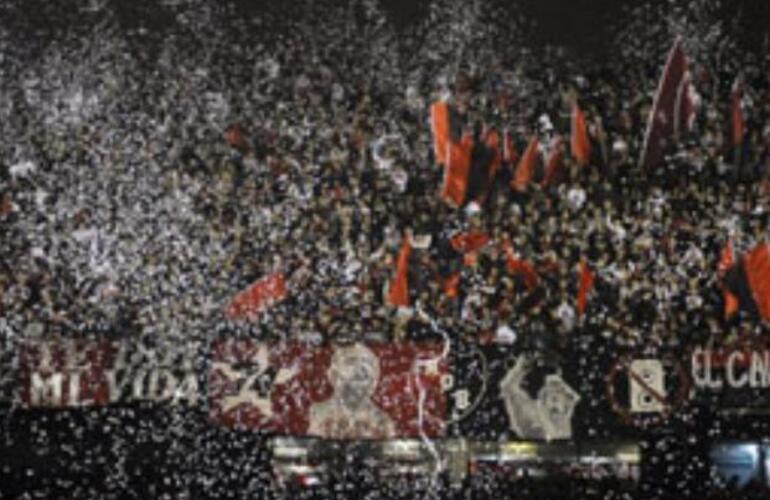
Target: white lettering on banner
[(158, 384), (46, 390), (116, 385), (74, 373), (759, 374), (739, 369), (734, 380), (701, 370)]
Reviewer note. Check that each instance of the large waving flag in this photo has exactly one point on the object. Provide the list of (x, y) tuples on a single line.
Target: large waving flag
[(672, 108)]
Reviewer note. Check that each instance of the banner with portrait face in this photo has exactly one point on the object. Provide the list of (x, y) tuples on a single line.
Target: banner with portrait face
[(358, 391)]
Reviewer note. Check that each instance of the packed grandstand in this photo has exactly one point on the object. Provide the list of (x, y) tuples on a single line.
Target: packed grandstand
[(434, 229)]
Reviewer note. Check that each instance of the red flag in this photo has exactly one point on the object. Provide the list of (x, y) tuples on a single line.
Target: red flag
[(492, 140), (458, 167), (757, 267), (519, 266), (662, 125), (555, 161), (581, 144), (526, 167), (439, 121), (727, 261), (738, 123), (258, 297), (469, 242), (586, 285), (398, 295), (235, 138)]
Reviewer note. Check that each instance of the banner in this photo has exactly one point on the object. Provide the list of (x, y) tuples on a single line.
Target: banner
[(79, 373), (357, 391)]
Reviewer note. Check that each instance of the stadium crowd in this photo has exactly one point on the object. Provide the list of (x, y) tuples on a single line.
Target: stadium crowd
[(148, 175), (136, 212)]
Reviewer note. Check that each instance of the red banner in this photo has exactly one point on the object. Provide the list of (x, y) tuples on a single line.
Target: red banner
[(340, 392), (77, 373)]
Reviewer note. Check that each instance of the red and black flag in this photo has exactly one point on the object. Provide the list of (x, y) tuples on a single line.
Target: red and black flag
[(748, 280), (672, 109), (485, 162), (258, 297)]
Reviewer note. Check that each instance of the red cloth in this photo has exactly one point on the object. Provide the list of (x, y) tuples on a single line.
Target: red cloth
[(757, 266), (492, 140), (258, 297), (580, 143), (519, 266), (526, 167), (457, 170), (398, 294), (439, 120), (586, 285), (469, 242), (726, 261)]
